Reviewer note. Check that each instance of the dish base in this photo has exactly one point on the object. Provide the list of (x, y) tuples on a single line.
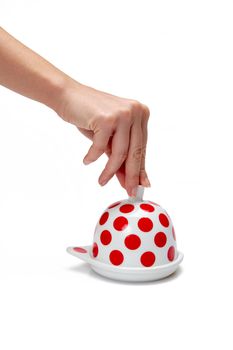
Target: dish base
[(140, 276), (128, 274)]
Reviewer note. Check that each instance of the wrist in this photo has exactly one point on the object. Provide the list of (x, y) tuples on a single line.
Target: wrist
[(54, 91), (59, 86)]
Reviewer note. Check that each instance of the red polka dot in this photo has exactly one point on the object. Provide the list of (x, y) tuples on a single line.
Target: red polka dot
[(113, 205), (127, 208), (147, 207), (79, 250), (95, 250), (105, 237), (132, 242), (160, 239), (120, 223), (148, 259), (163, 220), (104, 218), (173, 233), (171, 253), (116, 257), (145, 224)]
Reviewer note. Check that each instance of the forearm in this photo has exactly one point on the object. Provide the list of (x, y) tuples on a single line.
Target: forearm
[(28, 74)]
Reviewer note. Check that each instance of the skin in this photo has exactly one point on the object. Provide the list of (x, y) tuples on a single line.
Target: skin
[(116, 126)]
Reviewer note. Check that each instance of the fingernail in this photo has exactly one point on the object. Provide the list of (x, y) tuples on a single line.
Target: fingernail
[(103, 181), (86, 161), (147, 182)]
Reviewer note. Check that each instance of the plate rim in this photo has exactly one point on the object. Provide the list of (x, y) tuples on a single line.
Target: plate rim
[(87, 258)]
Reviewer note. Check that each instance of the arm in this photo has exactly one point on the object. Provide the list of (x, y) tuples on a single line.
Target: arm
[(25, 72), (116, 126)]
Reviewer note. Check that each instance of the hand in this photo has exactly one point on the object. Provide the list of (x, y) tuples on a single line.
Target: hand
[(116, 126)]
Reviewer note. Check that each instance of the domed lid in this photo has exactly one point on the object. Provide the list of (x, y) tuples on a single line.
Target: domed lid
[(134, 239)]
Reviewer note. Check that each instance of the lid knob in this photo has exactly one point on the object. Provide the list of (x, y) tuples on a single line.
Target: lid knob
[(139, 195)]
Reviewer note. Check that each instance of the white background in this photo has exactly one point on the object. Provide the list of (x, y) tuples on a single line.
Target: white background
[(175, 56)]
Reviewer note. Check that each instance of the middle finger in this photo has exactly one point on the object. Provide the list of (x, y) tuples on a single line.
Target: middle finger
[(133, 160)]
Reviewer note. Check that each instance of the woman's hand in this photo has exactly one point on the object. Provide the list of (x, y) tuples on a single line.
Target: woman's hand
[(116, 126)]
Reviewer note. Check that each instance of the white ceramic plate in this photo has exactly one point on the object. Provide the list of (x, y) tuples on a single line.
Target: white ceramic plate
[(131, 274)]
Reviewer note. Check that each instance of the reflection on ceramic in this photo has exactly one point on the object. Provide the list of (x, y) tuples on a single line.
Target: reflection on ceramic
[(134, 240)]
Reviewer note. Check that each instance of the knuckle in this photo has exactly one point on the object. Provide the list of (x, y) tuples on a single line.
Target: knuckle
[(137, 153), (135, 105), (105, 121), (108, 170), (98, 149), (143, 173), (146, 112), (121, 154), (143, 154), (108, 121), (124, 118), (94, 122), (125, 115)]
